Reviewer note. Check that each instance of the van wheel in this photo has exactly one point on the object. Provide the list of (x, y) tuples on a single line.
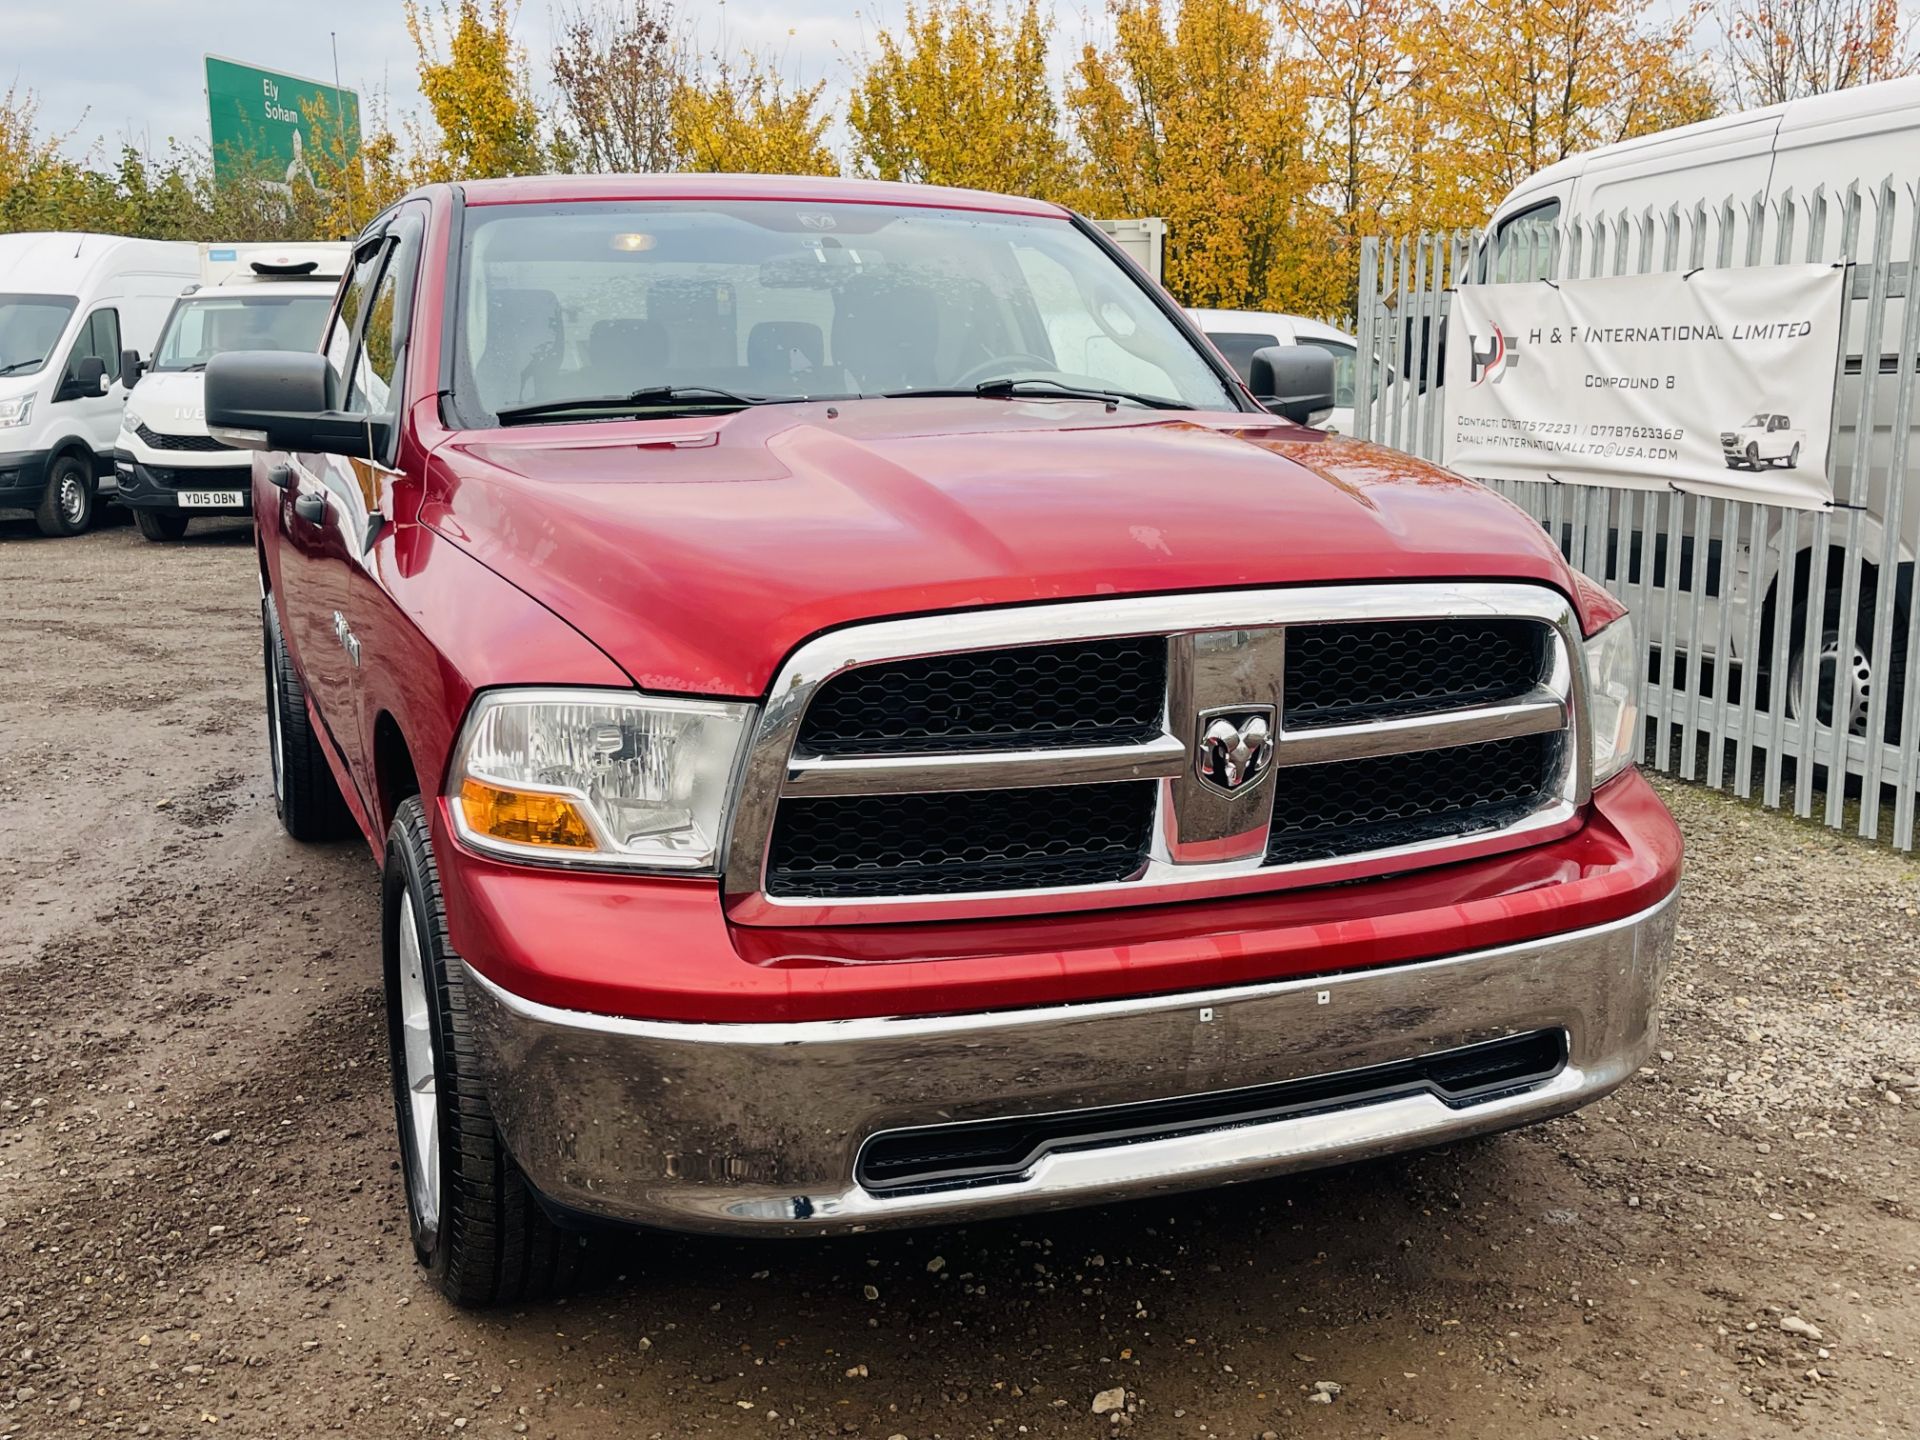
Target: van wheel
[(1846, 678), (160, 524), (305, 794), (66, 507), (477, 1228)]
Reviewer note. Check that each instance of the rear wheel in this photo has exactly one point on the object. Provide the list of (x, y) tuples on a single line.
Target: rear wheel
[(1845, 676), (66, 507), (304, 791), (476, 1225), (160, 524)]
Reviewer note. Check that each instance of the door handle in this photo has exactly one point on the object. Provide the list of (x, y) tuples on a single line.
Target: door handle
[(310, 507)]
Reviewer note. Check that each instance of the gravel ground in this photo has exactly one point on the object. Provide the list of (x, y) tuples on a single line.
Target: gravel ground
[(201, 1229)]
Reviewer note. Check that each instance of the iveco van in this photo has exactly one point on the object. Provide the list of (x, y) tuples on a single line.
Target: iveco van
[(251, 297), (69, 305)]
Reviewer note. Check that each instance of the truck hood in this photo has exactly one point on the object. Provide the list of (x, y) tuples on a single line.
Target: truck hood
[(698, 552), (172, 402)]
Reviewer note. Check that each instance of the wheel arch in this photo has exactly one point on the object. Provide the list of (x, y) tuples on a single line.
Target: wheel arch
[(396, 777)]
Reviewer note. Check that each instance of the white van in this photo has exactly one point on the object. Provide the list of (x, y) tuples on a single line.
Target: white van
[(1236, 334), (250, 297), (1861, 135), (69, 305)]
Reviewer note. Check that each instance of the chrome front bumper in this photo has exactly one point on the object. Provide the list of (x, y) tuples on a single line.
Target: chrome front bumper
[(755, 1129)]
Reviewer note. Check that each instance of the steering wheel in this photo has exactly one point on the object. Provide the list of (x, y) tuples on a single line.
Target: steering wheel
[(999, 365)]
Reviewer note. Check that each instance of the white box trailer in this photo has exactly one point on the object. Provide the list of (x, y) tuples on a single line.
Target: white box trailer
[(1144, 239)]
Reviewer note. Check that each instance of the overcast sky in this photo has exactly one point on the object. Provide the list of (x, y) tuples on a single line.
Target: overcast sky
[(134, 67)]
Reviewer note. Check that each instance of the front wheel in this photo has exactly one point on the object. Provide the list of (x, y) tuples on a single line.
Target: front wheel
[(1793, 457), (476, 1225), (160, 524), (305, 794), (66, 507), (1753, 454)]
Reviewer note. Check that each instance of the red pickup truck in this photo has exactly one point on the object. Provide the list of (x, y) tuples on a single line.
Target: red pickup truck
[(868, 722)]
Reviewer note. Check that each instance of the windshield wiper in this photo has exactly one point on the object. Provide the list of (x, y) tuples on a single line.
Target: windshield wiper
[(645, 399), (22, 365), (1010, 388)]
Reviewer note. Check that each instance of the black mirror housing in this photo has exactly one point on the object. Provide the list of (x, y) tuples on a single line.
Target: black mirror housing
[(285, 400), (1294, 381), (89, 378), (132, 367)]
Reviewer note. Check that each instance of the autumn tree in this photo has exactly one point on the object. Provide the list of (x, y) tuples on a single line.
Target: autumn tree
[(742, 116), (473, 75), (1512, 86), (1778, 50), (616, 66), (1362, 64), (1199, 117), (962, 97)]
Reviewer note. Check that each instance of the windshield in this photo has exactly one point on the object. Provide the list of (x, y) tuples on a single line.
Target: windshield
[(30, 328), (1757, 422), (773, 300), (199, 329)]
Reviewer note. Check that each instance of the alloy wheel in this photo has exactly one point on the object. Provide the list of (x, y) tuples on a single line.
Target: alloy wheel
[(423, 1090)]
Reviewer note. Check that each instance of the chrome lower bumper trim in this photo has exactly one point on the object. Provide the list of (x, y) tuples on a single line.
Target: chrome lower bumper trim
[(755, 1129)]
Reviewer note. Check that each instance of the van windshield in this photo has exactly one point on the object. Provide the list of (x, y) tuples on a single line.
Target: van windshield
[(201, 328), (30, 328), (756, 302)]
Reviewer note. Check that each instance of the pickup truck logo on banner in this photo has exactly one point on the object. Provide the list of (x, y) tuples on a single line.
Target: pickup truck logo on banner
[(1719, 383)]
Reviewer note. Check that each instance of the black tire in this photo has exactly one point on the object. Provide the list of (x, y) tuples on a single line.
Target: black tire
[(1793, 457), (1753, 454), (477, 1227), (1893, 682), (160, 524), (305, 794), (66, 506)]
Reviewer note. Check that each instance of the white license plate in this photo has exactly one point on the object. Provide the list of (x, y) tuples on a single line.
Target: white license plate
[(208, 499)]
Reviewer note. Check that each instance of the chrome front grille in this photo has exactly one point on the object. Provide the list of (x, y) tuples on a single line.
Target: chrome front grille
[(1156, 748)]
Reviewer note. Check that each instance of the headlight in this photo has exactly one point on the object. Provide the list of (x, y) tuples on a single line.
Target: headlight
[(17, 411), (1613, 698), (599, 778)]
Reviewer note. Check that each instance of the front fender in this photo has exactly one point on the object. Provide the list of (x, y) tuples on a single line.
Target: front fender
[(436, 627)]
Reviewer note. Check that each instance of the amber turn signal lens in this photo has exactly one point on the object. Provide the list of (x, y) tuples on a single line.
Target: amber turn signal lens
[(524, 817)]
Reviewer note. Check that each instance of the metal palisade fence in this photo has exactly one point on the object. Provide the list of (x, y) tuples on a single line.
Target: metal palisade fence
[(1782, 658)]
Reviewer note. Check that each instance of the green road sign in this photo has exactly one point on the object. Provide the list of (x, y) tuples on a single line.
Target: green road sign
[(271, 126)]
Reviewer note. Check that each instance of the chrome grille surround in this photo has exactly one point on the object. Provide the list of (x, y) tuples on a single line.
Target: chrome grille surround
[(1224, 648)]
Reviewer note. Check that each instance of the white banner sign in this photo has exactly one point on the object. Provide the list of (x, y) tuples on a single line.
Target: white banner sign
[(1720, 383)]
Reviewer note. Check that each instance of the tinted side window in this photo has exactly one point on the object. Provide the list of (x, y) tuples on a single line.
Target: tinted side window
[(346, 319), (99, 339), (1523, 244), (1344, 356), (1238, 346), (374, 363)]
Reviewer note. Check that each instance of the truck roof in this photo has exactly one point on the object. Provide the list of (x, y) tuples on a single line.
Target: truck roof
[(64, 261), (273, 263), (1812, 112), (820, 189)]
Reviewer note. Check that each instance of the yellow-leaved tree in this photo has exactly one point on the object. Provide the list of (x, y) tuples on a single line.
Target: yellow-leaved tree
[(741, 116), (1512, 86), (963, 97), (1199, 117), (1362, 63), (473, 75)]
